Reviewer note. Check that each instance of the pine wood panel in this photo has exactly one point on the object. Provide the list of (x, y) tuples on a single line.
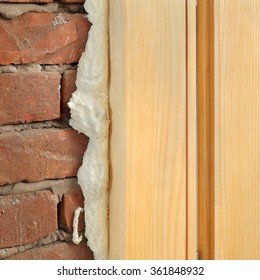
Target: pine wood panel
[(148, 132), (192, 126), (237, 129)]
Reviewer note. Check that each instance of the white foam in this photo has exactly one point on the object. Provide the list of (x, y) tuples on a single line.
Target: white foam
[(76, 238), (89, 115)]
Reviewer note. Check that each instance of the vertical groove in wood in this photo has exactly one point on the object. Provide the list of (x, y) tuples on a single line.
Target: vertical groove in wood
[(206, 128)]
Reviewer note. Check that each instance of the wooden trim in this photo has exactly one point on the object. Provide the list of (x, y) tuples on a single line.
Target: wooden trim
[(206, 128)]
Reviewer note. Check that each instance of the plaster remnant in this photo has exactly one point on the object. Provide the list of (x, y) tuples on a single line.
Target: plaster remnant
[(89, 115), (10, 11)]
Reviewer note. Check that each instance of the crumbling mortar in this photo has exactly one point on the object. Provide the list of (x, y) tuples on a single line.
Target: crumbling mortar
[(60, 124), (34, 67), (67, 184), (71, 8), (57, 236), (61, 68), (13, 10)]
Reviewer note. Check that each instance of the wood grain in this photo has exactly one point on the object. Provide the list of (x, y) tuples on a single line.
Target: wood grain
[(148, 134), (237, 129), (192, 156)]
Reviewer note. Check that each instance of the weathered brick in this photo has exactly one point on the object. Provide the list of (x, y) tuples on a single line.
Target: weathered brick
[(56, 251), (43, 38), (28, 97), (68, 86), (26, 1), (70, 202), (25, 218), (38, 154)]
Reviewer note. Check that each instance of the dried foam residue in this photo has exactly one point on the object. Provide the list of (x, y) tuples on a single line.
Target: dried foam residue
[(89, 115)]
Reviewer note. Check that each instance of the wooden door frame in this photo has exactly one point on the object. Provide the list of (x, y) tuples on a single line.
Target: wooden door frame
[(205, 154)]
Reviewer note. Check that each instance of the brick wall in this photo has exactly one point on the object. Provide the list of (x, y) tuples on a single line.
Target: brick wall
[(40, 44)]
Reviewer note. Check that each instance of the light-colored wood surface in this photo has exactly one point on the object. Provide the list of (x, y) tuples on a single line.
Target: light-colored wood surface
[(148, 133), (192, 172), (206, 129), (237, 129), (118, 144)]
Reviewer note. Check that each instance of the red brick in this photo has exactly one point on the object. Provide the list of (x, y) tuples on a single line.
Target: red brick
[(56, 251), (43, 38), (38, 154), (26, 1), (70, 202), (68, 86), (25, 218), (28, 97)]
